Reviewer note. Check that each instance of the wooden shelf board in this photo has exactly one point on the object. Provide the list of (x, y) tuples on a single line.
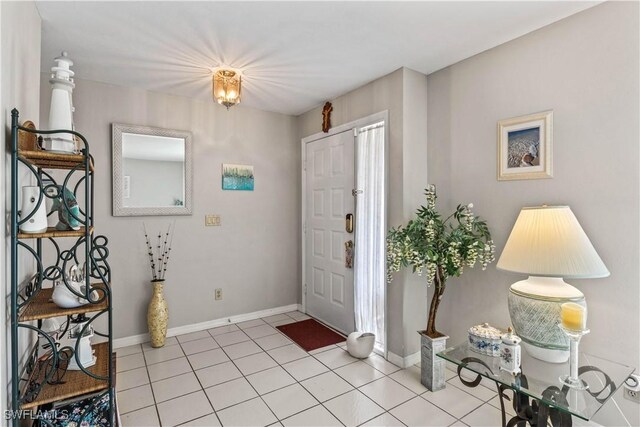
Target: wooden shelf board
[(76, 383), (54, 232), (48, 160), (41, 306)]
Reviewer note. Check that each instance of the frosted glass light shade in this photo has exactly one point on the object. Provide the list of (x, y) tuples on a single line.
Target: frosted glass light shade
[(549, 241), (227, 85)]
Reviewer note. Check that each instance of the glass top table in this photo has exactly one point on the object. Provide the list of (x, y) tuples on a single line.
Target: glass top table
[(539, 380)]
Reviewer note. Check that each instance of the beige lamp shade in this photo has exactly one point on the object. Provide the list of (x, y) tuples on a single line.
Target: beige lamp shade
[(549, 241)]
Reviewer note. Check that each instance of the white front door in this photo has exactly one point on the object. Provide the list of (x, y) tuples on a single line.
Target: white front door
[(329, 167)]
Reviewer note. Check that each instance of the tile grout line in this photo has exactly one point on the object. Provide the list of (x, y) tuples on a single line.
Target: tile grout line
[(354, 388), (301, 385), (254, 389), (444, 410), (467, 390), (296, 381), (202, 387), (341, 394), (153, 396), (215, 364), (203, 391), (155, 404)]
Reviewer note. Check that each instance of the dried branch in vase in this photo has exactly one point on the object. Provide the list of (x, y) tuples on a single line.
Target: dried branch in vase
[(159, 254)]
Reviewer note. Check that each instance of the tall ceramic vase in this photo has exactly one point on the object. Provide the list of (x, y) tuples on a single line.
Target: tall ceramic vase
[(157, 315)]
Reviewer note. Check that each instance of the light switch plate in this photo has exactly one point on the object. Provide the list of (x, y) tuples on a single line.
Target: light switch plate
[(212, 220)]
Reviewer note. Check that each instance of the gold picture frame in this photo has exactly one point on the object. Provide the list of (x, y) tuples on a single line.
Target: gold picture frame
[(525, 147)]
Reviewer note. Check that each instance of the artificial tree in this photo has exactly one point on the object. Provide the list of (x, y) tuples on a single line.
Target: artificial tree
[(439, 248)]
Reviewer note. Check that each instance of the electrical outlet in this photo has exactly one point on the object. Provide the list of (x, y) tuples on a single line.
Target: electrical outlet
[(632, 388), (631, 395), (218, 294), (212, 220)]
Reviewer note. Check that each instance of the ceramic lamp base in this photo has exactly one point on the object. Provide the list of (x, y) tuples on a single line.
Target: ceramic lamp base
[(534, 308), (546, 354)]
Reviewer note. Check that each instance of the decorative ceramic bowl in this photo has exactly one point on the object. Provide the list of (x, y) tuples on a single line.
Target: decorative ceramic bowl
[(63, 297), (360, 344), (485, 339)]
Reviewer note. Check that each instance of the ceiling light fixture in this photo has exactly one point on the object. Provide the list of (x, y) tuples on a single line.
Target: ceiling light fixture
[(227, 85)]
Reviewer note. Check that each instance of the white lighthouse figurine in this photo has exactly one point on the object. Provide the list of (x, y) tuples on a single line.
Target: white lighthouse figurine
[(510, 353), (61, 112)]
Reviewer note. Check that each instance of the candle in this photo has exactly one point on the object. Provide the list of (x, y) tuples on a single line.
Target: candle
[(573, 316)]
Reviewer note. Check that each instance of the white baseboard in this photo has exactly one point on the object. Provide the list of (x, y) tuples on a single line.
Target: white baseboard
[(403, 362), (180, 330)]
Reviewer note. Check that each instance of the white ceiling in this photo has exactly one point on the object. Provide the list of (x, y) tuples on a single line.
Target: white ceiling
[(294, 55)]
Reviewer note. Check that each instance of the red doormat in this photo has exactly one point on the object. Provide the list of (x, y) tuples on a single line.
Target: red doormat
[(310, 334)]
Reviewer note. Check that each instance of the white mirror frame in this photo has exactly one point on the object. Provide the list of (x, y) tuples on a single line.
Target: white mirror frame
[(118, 208)]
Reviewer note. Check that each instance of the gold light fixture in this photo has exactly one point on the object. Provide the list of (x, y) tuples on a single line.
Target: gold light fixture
[(227, 85)]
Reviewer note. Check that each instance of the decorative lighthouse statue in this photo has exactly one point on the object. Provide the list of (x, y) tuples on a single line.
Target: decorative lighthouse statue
[(61, 113)]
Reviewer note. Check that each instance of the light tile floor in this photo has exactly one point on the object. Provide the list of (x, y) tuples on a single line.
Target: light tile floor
[(249, 374)]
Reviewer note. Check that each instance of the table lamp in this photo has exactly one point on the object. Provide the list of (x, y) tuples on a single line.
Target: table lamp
[(548, 244)]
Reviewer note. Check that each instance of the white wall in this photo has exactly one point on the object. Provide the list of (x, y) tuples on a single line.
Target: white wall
[(253, 256), (415, 304), (586, 69), (19, 88)]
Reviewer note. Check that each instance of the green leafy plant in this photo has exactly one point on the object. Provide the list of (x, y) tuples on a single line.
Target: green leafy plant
[(439, 248)]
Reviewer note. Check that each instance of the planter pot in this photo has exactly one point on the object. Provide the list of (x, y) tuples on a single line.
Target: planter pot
[(432, 366), (157, 315)]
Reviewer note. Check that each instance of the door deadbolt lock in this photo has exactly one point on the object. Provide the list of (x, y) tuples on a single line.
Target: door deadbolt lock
[(348, 223)]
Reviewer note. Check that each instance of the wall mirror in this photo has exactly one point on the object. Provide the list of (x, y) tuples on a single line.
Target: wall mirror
[(151, 171)]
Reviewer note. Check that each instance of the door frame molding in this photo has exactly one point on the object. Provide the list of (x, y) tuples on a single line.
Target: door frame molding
[(382, 116)]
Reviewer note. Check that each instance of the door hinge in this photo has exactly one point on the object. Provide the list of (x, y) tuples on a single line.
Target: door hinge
[(304, 227), (305, 288)]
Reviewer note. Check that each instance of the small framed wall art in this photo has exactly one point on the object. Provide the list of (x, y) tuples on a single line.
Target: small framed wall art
[(525, 147), (237, 177)]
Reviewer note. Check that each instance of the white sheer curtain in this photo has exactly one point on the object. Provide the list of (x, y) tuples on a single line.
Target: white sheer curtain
[(369, 273)]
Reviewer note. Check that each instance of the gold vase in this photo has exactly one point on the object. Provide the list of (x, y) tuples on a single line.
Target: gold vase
[(157, 315)]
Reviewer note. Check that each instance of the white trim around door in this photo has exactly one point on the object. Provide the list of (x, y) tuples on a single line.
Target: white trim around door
[(382, 116)]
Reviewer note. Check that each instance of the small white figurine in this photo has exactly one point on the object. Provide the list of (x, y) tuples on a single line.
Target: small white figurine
[(510, 353), (61, 112)]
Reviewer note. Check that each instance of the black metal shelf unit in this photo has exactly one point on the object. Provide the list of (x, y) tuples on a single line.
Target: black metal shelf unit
[(41, 380)]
